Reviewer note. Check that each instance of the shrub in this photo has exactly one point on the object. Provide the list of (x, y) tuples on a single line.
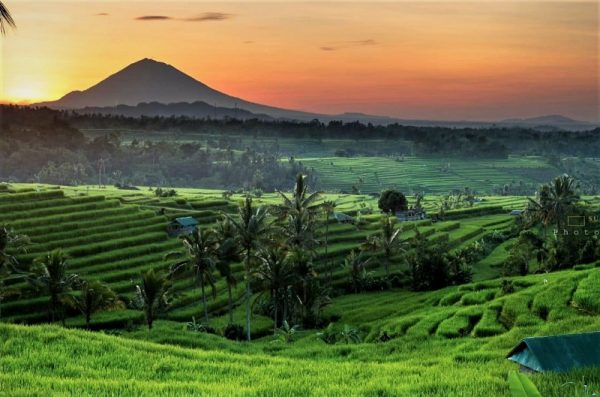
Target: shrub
[(328, 335), (199, 327), (234, 332)]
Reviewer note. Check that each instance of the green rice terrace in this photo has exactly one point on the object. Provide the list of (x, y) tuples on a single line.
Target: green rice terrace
[(379, 341), (435, 175)]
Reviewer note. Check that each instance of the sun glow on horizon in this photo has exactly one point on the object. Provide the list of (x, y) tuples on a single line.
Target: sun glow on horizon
[(412, 59)]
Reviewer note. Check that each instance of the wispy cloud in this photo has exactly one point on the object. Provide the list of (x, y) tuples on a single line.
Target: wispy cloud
[(206, 17), (209, 16), (153, 18), (340, 45), (102, 14)]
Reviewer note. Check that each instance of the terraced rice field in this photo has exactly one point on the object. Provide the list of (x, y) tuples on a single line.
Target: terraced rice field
[(450, 342), (415, 175), (112, 235)]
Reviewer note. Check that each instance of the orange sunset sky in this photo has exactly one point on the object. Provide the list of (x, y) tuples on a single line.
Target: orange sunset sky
[(445, 60)]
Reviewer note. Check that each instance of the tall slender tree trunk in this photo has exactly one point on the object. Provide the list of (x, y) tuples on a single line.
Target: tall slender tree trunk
[(230, 303), (204, 300), (327, 261), (248, 295), (387, 263), (149, 317), (285, 303), (275, 309)]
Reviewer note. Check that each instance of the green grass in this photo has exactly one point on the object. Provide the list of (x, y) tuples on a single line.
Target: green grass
[(450, 342), (432, 175)]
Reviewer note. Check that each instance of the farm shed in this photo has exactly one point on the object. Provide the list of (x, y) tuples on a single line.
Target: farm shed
[(411, 215), (184, 225), (558, 353), (517, 212), (343, 218)]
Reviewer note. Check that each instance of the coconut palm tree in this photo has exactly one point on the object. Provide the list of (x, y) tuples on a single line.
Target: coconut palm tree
[(9, 265), (329, 209), (539, 211), (50, 275), (93, 297), (388, 241), (201, 261), (251, 228), (357, 267), (276, 276), (152, 295), (302, 264), (298, 231), (5, 19), (300, 201), (227, 253), (563, 197)]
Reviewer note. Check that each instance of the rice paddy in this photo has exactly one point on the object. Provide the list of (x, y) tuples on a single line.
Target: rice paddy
[(450, 342)]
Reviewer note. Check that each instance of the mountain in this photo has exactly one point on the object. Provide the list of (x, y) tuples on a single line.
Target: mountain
[(553, 121), (192, 110), (153, 88), (151, 81)]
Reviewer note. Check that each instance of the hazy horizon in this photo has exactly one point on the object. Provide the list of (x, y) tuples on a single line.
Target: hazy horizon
[(414, 60)]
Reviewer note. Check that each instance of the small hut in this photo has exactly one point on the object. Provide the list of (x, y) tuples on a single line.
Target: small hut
[(343, 218), (560, 353), (183, 225), (412, 214)]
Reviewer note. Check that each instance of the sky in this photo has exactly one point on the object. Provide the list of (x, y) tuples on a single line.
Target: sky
[(444, 60)]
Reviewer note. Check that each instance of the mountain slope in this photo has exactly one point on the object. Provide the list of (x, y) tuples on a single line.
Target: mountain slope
[(151, 81)]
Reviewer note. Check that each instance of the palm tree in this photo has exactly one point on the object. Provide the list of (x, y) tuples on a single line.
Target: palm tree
[(540, 210), (329, 208), (251, 228), (201, 261), (387, 241), (302, 262), (299, 231), (276, 276), (152, 295), (358, 269), (300, 201), (227, 254), (5, 18), (9, 265), (50, 275), (563, 198), (93, 297)]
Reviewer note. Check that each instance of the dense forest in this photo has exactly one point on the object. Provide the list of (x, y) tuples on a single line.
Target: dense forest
[(489, 143), (44, 145)]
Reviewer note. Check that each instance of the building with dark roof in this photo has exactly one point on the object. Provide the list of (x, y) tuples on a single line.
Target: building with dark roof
[(559, 353), (184, 225)]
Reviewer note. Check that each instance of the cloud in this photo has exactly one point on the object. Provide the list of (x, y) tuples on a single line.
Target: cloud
[(102, 14), (366, 42), (153, 18), (340, 45), (209, 16)]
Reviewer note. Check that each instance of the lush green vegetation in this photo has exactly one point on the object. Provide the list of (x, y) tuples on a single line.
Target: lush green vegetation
[(359, 307), (48, 146)]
